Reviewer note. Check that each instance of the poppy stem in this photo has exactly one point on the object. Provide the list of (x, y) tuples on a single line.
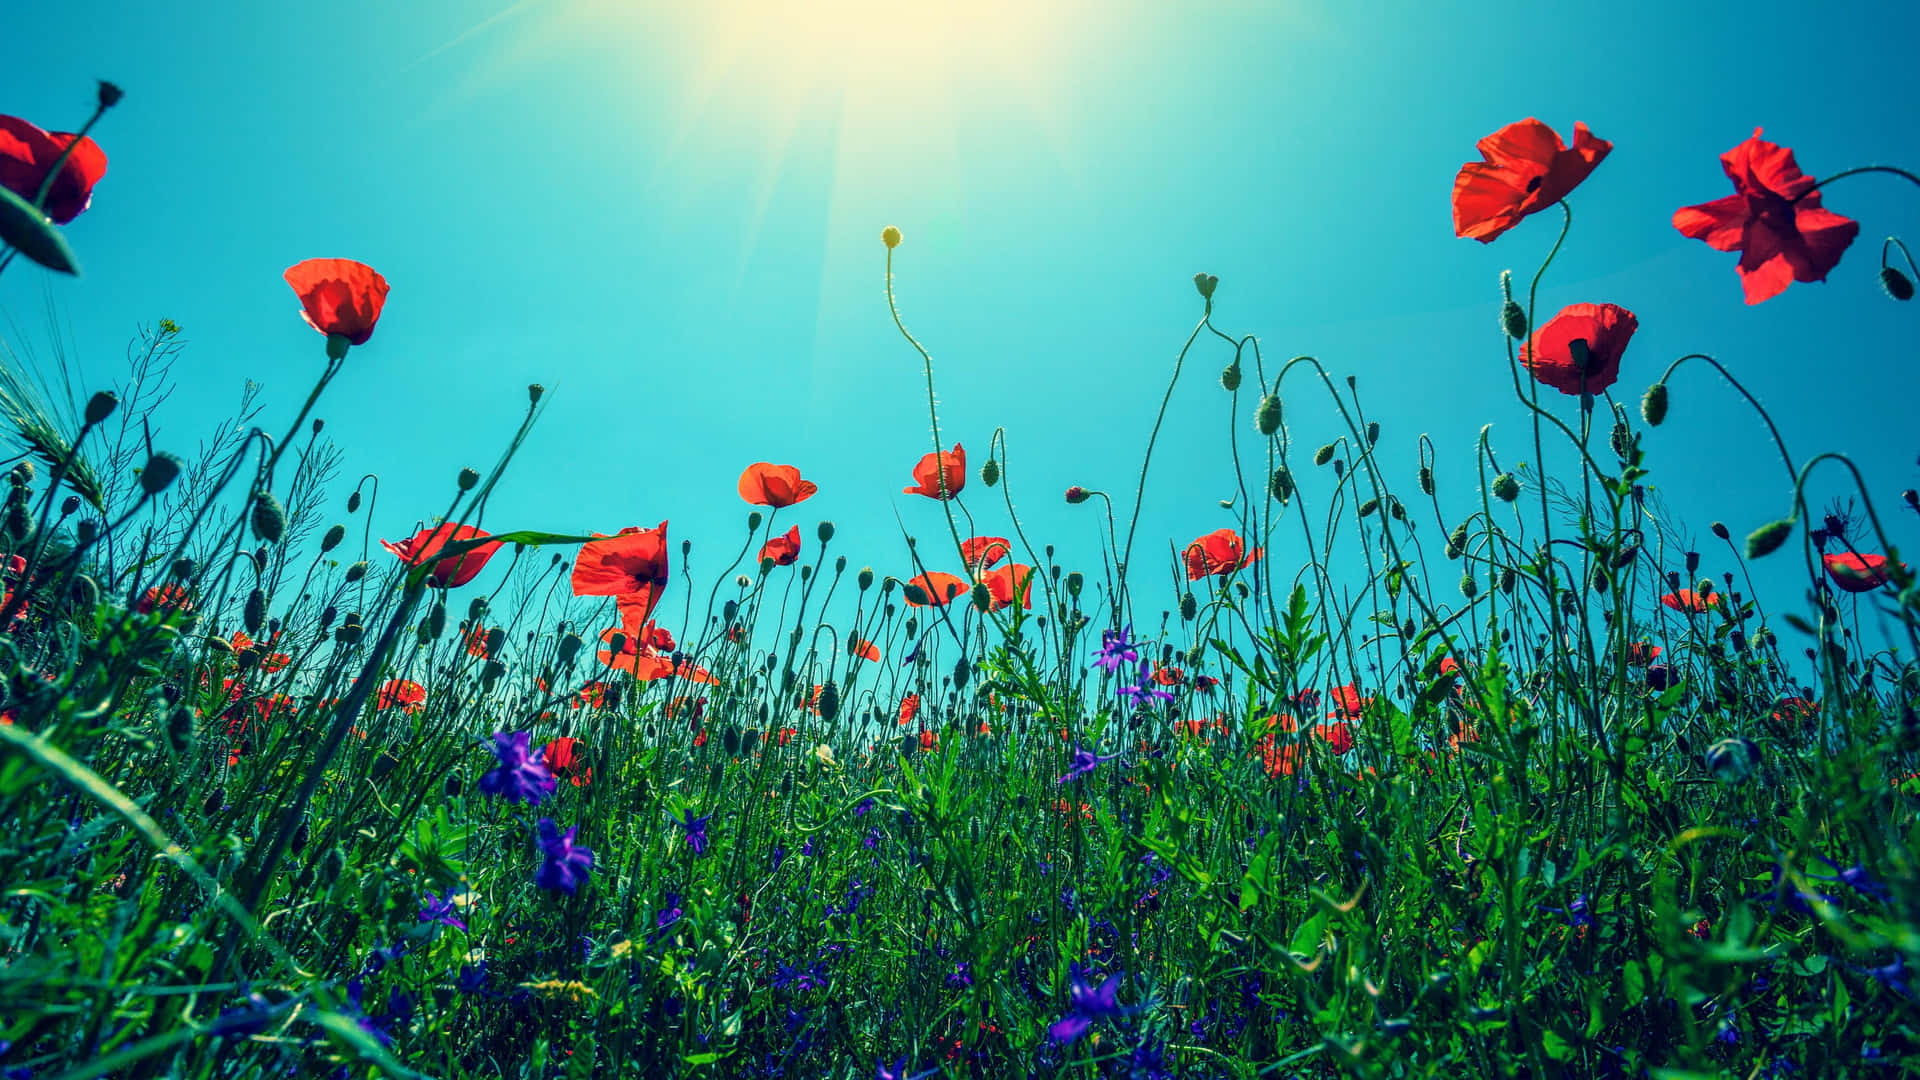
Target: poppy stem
[(1915, 180)]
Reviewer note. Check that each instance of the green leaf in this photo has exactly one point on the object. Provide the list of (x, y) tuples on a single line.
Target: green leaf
[(1634, 981), (1306, 939), (1401, 725), (1556, 1047), (30, 231)]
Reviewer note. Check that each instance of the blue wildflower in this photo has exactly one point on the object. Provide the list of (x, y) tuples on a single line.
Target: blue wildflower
[(520, 776), (564, 866), (1087, 1003), (1857, 878), (433, 909), (1116, 649), (899, 1072), (473, 978), (1084, 762), (695, 829)]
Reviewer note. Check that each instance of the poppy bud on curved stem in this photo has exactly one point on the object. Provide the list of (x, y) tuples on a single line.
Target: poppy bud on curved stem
[(890, 236), (1912, 498), (1267, 416), (1230, 377), (269, 519), (159, 473), (1077, 494), (1653, 404), (1506, 487), (1323, 455), (1767, 539), (1720, 530), (100, 406), (1897, 285), (1426, 480), (753, 520), (990, 472)]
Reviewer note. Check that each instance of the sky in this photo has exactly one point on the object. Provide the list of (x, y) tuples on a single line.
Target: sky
[(670, 216)]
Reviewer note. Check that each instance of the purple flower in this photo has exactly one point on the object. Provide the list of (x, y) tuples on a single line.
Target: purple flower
[(1856, 876), (670, 912), (696, 830), (873, 839), (1087, 1003), (779, 856), (520, 777), (864, 805), (435, 910), (1116, 649), (565, 866), (807, 848), (1145, 691), (1894, 976), (899, 1072), (962, 976), (473, 978), (1084, 762)]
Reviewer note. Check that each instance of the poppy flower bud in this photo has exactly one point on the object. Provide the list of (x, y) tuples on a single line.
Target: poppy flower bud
[(840, 565), (219, 644), (183, 568), (990, 473), (1469, 588), (1426, 480), (1267, 416), (864, 578), (1507, 580), (161, 470), (982, 597), (914, 594), (254, 615), (1767, 539), (825, 531), (1513, 319), (22, 474), (1369, 507), (1621, 439), (349, 631), (100, 406), (437, 621), (1189, 607), (353, 502), (1625, 555), (356, 571), (1323, 455), (1653, 404), (69, 505), (331, 539), (1230, 377), (1599, 579), (961, 672), (742, 580), (1076, 494), (468, 478), (1738, 639), (110, 94), (1506, 488), (1457, 541), (570, 643), (496, 640), (1205, 283), (534, 390), (1897, 284), (1719, 529), (490, 674), (1074, 583), (1373, 432), (180, 729), (269, 518), (753, 520), (1693, 562), (1281, 486)]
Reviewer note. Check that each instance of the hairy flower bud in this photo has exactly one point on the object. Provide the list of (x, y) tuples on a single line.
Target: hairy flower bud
[(961, 672), (468, 478), (356, 571), (1267, 416), (1230, 377), (254, 615), (1719, 529), (1074, 583), (1653, 405), (1373, 432), (269, 517), (1513, 320), (570, 643), (1767, 539), (353, 502), (1077, 494), (982, 596), (1469, 588), (824, 531), (1507, 580), (1426, 480), (1281, 485), (1323, 455), (864, 579), (1368, 507), (1457, 541), (1897, 285), (753, 520), (1506, 487), (100, 406), (331, 539), (159, 473), (1189, 607)]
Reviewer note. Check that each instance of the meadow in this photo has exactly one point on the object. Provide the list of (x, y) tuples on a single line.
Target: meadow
[(1532, 790)]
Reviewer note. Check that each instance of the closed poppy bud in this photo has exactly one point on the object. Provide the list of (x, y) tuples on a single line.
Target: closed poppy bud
[(1323, 455), (356, 571), (69, 505), (1426, 480), (570, 646), (825, 531), (1189, 607), (1469, 588), (353, 502), (1369, 507), (100, 406), (161, 470), (990, 472), (1767, 538), (1621, 439), (534, 390), (468, 478), (1693, 563), (890, 236), (1205, 283), (1513, 319), (1230, 377), (1507, 579), (982, 597), (829, 703), (865, 578), (1653, 404), (1074, 583), (1720, 530), (180, 729), (961, 672), (1897, 284), (183, 568), (753, 520), (1625, 555), (1457, 541), (1267, 416), (1599, 578), (437, 621), (840, 565), (269, 518), (1076, 494), (331, 539), (914, 594), (1373, 432), (254, 615), (1506, 488)]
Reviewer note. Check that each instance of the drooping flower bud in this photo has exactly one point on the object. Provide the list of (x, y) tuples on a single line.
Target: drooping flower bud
[(1653, 405), (890, 236), (100, 406), (1368, 507), (468, 478), (1189, 607), (1323, 455), (1767, 539), (353, 502), (159, 473), (331, 539), (1267, 416), (1457, 541), (1230, 377), (1506, 487), (1720, 530), (356, 571), (1281, 486), (1426, 480), (1077, 494), (569, 646), (982, 596), (254, 616), (990, 472), (269, 518), (183, 569), (1898, 285), (1469, 588)]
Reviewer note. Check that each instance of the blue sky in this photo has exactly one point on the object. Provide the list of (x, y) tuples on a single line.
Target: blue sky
[(671, 219)]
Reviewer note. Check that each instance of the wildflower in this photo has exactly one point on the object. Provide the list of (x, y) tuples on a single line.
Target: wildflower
[(1689, 601), (473, 978), (564, 866), (1078, 494), (26, 155), (1795, 711), (1525, 169), (1578, 351), (163, 598), (1084, 762), (1087, 1003), (567, 761), (448, 572), (631, 564), (1218, 554), (1855, 572), (899, 1070), (1278, 759), (1857, 878), (695, 829), (1116, 649), (933, 588), (940, 475), (765, 484), (339, 296), (1008, 581), (669, 913), (782, 550), (1774, 219), (1338, 737), (433, 909), (1641, 653), (517, 777), (1894, 976), (1348, 703), (981, 552), (402, 692), (863, 648)]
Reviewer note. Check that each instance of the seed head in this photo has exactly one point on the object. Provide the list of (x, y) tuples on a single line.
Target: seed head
[(534, 392), (356, 571), (468, 478), (110, 94), (1189, 607), (865, 578), (824, 531)]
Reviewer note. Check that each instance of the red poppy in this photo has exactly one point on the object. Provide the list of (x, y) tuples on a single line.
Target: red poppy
[(765, 484), (1642, 653), (1601, 332), (1526, 169), (927, 739), (632, 565), (1857, 573), (1168, 676), (863, 648), (1338, 737), (26, 153), (1773, 219), (566, 758), (1691, 602), (787, 734), (1005, 581), (1194, 728), (949, 466), (402, 692), (1795, 710), (933, 588), (1218, 554), (339, 296), (909, 708), (164, 598), (700, 739), (593, 694), (1278, 760), (782, 549), (448, 572), (1205, 683), (980, 552), (477, 642), (1348, 703)]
